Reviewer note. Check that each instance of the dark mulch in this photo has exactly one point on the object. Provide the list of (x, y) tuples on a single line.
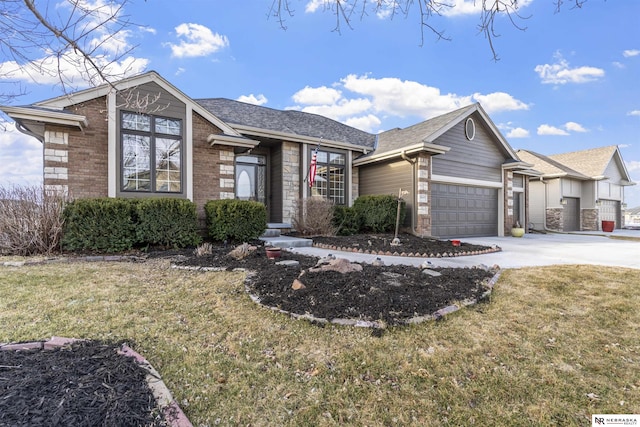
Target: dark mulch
[(409, 244), (90, 384), (84, 384), (391, 293)]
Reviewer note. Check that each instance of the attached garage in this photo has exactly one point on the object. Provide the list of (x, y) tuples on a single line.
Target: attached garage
[(571, 214), (610, 211), (464, 211)]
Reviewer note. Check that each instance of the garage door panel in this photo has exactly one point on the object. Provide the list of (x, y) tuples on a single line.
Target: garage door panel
[(464, 211)]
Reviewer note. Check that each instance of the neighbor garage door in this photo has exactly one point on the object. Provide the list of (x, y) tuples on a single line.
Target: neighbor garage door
[(464, 211), (610, 211)]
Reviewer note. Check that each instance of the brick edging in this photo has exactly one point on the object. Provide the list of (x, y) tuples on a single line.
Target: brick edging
[(165, 401), (405, 254)]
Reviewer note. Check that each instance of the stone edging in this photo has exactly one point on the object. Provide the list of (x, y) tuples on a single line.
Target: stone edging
[(355, 322), (167, 404), (405, 254)]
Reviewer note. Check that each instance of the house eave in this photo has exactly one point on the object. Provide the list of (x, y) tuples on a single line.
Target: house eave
[(406, 151), (231, 140), (266, 133), (517, 166), (27, 114)]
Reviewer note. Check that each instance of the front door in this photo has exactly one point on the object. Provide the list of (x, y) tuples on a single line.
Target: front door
[(251, 178)]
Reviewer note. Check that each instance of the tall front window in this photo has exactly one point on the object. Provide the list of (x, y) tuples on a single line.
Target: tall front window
[(330, 181), (151, 153)]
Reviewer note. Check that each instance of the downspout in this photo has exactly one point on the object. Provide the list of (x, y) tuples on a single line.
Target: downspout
[(414, 184)]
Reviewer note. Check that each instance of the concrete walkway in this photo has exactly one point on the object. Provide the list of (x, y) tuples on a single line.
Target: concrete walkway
[(530, 250)]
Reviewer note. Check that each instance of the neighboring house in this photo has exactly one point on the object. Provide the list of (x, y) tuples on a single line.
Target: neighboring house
[(143, 137), (632, 218), (578, 190)]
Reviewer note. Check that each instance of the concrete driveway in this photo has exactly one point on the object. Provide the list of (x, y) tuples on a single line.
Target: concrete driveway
[(530, 250)]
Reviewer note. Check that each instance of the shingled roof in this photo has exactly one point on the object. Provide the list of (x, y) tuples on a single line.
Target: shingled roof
[(549, 166), (285, 121), (398, 138), (592, 162)]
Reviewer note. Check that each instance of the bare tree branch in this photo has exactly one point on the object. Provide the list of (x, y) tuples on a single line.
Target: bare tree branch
[(489, 11)]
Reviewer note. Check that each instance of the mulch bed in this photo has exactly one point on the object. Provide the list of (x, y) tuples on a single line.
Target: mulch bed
[(91, 384), (86, 383), (388, 294)]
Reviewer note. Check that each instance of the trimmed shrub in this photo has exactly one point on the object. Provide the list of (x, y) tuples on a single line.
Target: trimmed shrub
[(30, 220), (346, 220), (314, 217), (235, 220), (167, 222), (377, 213), (103, 225)]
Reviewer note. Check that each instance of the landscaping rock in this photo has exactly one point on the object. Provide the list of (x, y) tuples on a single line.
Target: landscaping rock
[(341, 265)]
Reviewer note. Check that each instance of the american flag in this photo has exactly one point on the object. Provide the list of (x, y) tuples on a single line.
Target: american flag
[(312, 169)]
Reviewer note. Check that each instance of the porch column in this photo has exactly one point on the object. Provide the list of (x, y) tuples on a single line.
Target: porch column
[(423, 200)]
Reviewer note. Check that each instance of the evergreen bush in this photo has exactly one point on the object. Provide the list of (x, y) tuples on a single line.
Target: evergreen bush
[(235, 220)]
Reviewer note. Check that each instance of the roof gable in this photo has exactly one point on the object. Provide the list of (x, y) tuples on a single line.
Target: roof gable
[(61, 102), (548, 166), (593, 162), (430, 130)]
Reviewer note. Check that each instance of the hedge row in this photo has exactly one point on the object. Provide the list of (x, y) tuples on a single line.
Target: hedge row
[(116, 225)]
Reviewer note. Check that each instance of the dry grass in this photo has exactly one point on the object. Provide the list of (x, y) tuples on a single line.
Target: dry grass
[(548, 339)]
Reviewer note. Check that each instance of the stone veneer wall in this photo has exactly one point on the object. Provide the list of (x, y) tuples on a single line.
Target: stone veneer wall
[(290, 179), (423, 199), (555, 219), (508, 202), (589, 220)]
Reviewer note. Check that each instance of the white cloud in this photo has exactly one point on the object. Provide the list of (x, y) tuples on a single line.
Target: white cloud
[(20, 157), (518, 133), (317, 95), (618, 64), (366, 123), (342, 110), (472, 7), (574, 127), (197, 40), (362, 100), (634, 113), (314, 5), (630, 52), (499, 101), (633, 165), (69, 68), (252, 99), (561, 73), (551, 130)]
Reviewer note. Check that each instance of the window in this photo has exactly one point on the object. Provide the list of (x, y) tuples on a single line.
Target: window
[(151, 153), (330, 181)]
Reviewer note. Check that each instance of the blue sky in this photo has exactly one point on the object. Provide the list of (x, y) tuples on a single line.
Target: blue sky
[(571, 81)]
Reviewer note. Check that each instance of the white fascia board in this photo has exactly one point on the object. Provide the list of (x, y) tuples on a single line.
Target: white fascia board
[(266, 133), (517, 165), (233, 141), (150, 77), (412, 149), (53, 117), (465, 181)]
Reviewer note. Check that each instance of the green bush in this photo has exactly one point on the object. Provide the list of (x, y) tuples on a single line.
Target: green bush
[(235, 220), (377, 213), (104, 225), (167, 222), (346, 220)]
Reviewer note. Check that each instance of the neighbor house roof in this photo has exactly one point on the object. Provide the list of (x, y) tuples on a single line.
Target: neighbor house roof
[(250, 119), (592, 162), (549, 167)]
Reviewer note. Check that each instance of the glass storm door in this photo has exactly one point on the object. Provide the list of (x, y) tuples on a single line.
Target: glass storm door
[(251, 178)]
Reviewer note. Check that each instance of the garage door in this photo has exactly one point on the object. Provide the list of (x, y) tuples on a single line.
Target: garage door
[(610, 211), (464, 211), (571, 214)]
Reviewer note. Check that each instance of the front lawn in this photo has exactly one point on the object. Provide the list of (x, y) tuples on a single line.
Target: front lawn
[(551, 347)]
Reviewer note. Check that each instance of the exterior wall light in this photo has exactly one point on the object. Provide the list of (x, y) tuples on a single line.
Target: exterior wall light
[(563, 201)]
